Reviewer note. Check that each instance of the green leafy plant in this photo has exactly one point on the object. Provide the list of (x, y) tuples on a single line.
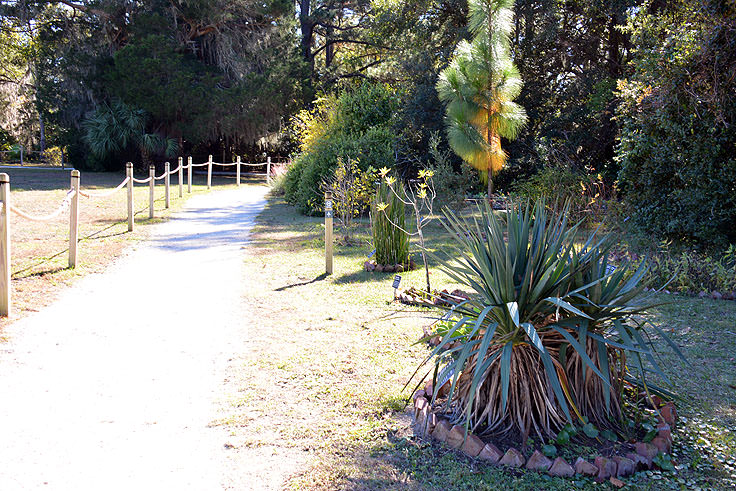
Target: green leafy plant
[(352, 190), (420, 197), (111, 128), (554, 334), (388, 225)]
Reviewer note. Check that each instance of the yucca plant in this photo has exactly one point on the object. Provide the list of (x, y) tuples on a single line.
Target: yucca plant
[(545, 341), (388, 225)]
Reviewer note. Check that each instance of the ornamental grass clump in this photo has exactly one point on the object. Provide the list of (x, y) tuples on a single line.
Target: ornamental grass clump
[(388, 226), (554, 333)]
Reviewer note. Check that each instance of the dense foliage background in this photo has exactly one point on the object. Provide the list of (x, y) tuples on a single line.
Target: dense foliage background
[(638, 92)]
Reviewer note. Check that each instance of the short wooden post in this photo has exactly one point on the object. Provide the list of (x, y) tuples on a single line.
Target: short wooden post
[(5, 246), (167, 182), (129, 173), (328, 232), (21, 155), (268, 170), (181, 176), (74, 220), (189, 174), (237, 172), (151, 184), (209, 173)]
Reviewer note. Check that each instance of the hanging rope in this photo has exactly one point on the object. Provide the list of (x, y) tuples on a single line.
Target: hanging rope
[(107, 193), (44, 218)]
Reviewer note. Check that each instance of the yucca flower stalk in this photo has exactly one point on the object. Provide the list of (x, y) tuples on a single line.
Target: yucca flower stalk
[(547, 338)]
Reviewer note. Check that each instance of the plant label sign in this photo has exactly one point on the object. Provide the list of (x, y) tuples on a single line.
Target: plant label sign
[(397, 281)]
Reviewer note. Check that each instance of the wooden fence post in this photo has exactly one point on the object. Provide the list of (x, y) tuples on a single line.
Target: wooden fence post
[(189, 174), (328, 232), (5, 246), (74, 220), (129, 173), (209, 173), (167, 182), (21, 155), (268, 170), (181, 176), (151, 183), (237, 172)]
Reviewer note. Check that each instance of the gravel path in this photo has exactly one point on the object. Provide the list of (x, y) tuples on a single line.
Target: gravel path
[(115, 385)]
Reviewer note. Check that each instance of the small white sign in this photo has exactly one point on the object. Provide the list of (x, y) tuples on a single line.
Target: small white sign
[(328, 204)]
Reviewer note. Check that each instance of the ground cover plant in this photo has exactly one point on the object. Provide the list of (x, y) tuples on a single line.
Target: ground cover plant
[(327, 398)]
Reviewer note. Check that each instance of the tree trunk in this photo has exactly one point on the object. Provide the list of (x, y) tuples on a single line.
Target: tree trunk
[(42, 140), (306, 24)]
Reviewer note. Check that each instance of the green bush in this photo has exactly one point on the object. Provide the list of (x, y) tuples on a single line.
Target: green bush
[(585, 195), (388, 225), (678, 125), (54, 156), (690, 272), (354, 125), (452, 187)]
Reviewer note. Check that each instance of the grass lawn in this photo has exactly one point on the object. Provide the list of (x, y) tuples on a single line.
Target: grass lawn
[(320, 381), (39, 261)]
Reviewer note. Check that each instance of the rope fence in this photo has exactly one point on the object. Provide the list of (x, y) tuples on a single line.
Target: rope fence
[(71, 203)]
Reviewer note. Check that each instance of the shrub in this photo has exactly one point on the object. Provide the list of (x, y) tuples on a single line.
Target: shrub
[(352, 190), (354, 125), (452, 187), (585, 195), (551, 334), (54, 156), (388, 225), (678, 124)]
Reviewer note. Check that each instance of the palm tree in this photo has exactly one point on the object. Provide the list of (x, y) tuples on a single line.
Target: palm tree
[(479, 87), (111, 128)]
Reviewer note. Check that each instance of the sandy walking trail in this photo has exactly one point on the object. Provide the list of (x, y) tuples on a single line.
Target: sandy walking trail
[(114, 386)]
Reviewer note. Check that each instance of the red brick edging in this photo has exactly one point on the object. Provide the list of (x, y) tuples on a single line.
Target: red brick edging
[(429, 424)]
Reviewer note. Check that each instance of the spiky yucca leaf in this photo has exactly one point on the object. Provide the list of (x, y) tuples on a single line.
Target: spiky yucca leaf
[(546, 340)]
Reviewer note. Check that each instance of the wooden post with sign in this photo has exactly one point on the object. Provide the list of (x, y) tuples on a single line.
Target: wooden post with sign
[(268, 170), (237, 172), (328, 232), (209, 173), (74, 220), (5, 308)]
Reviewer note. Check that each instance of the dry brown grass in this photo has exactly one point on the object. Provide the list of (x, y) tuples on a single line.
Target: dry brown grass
[(39, 261)]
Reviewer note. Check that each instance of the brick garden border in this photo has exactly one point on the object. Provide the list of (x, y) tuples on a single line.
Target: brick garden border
[(428, 424)]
